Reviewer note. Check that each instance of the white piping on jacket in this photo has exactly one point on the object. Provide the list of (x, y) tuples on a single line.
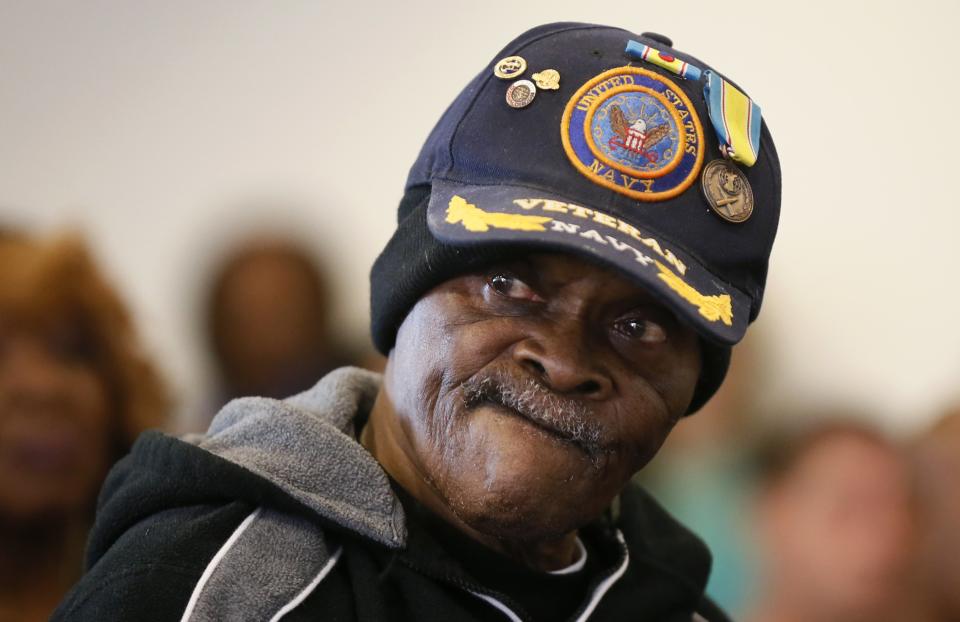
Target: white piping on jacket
[(208, 571), (598, 593), (309, 589), (496, 603), (608, 582), (576, 566)]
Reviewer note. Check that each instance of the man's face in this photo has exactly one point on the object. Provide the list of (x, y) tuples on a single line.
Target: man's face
[(528, 394)]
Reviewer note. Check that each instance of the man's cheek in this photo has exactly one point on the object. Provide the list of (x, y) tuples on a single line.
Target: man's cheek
[(474, 347), (444, 419)]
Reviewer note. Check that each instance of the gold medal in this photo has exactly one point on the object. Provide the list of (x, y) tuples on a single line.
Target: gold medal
[(727, 191), (510, 67), (521, 93), (548, 79)]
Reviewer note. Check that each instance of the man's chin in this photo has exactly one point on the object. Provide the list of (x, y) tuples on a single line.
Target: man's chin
[(509, 479), (509, 522), (507, 506)]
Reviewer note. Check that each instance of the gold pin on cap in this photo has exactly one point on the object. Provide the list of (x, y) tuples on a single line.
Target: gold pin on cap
[(521, 93), (509, 67), (548, 79), (727, 191)]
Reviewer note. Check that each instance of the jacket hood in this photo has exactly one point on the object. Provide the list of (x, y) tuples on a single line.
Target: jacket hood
[(298, 454)]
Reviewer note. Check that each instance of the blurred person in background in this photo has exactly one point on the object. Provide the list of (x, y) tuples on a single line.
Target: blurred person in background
[(9, 233), (268, 321), (704, 474), (937, 455), (836, 527), (75, 391)]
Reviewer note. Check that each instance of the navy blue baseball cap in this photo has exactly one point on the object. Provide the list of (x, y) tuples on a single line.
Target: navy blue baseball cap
[(566, 142)]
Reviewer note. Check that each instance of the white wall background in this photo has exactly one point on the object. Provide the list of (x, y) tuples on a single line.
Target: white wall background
[(150, 125)]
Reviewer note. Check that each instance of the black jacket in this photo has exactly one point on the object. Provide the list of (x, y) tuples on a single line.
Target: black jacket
[(279, 513)]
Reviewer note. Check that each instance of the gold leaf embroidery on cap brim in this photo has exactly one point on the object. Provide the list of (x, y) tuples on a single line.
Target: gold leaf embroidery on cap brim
[(711, 307), (475, 219)]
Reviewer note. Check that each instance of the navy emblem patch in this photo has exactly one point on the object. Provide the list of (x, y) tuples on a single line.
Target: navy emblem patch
[(635, 132)]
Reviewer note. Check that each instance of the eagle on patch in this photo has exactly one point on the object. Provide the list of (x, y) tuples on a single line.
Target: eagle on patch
[(635, 136)]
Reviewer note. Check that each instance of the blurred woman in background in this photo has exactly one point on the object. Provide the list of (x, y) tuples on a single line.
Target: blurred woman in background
[(75, 391), (836, 527)]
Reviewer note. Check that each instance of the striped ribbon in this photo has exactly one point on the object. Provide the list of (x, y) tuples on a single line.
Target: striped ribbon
[(735, 117), (639, 51)]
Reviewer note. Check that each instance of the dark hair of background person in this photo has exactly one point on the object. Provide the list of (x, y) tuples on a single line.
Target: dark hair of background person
[(267, 319), (75, 392), (9, 233), (779, 451)]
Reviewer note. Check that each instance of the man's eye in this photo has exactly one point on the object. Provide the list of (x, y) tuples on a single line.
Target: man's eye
[(642, 330), (512, 287)]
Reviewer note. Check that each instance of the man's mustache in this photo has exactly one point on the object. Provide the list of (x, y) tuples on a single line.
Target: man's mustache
[(570, 419)]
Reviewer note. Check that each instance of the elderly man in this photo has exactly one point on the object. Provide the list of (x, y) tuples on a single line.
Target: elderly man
[(558, 293)]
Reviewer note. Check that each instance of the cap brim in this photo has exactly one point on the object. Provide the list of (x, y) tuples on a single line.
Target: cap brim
[(468, 215)]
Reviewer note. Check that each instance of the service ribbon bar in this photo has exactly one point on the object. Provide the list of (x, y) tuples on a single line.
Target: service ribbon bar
[(639, 51), (735, 117)]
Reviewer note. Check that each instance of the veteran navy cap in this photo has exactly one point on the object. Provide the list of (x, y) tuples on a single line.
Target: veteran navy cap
[(610, 145)]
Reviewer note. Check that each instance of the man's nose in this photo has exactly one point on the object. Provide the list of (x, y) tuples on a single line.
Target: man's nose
[(558, 354)]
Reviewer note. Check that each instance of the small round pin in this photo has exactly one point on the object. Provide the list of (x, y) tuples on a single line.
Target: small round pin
[(510, 67), (521, 93)]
